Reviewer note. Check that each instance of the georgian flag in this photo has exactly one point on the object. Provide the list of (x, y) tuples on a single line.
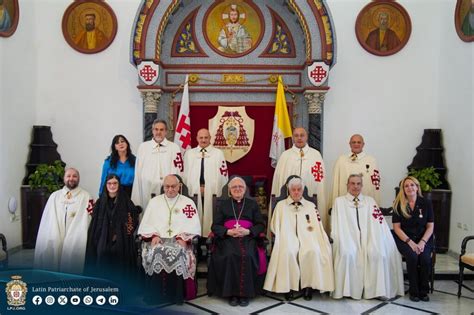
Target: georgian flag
[(182, 135)]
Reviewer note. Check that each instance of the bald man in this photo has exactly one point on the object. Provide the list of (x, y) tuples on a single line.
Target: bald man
[(62, 235), (307, 163), (356, 162), (205, 173)]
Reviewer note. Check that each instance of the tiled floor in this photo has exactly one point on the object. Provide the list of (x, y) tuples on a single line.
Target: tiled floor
[(443, 300)]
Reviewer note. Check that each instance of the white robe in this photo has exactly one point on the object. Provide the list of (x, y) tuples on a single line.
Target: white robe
[(170, 219), (365, 165), (215, 177), (310, 168), (153, 163), (299, 255), (62, 235), (367, 263)]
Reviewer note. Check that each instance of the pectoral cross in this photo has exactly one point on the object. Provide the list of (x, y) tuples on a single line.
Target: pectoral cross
[(237, 225), (356, 202), (169, 231)]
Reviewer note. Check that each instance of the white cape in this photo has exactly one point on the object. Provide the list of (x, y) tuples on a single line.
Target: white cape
[(300, 255), (215, 176), (152, 165), (367, 263), (310, 168), (62, 235), (365, 165)]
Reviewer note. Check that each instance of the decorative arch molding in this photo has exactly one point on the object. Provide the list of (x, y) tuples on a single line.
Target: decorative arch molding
[(184, 42), (318, 8), (245, 78), (281, 42)]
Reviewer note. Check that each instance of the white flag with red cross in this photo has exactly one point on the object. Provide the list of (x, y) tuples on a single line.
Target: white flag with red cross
[(182, 134)]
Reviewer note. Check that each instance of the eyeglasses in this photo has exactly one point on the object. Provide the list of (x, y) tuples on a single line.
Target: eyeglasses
[(170, 186), (237, 187)]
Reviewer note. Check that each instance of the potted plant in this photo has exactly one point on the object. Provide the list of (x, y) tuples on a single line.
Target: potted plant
[(428, 178), (48, 177)]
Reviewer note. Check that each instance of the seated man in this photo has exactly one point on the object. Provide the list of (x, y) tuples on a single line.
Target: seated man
[(366, 261), (235, 262), (301, 256), (170, 221)]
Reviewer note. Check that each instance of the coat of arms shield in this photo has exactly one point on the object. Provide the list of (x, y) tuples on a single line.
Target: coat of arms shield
[(318, 73), (232, 131)]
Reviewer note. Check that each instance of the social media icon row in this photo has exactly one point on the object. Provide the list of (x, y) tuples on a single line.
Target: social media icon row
[(75, 300)]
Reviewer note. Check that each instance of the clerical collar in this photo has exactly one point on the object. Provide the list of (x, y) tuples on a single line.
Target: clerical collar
[(290, 201), (208, 148)]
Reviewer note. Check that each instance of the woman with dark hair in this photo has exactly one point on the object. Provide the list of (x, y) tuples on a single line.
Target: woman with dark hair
[(111, 239), (413, 224), (121, 162)]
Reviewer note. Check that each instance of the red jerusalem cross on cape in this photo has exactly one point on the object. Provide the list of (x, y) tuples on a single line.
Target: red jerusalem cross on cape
[(182, 135)]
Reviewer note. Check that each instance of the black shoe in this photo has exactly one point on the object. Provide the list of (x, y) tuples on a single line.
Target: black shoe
[(424, 298), (414, 298), (233, 301), (244, 302), (289, 296), (308, 294)]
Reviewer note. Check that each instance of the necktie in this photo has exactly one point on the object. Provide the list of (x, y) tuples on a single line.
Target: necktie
[(353, 157), (201, 177)]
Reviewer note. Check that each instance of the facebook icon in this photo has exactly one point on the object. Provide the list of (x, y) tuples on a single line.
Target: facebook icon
[(37, 300)]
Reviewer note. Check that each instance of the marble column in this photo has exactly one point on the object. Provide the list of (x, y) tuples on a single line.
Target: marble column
[(315, 101), (151, 99)]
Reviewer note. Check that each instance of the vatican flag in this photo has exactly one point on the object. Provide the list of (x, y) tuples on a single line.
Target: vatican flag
[(281, 125)]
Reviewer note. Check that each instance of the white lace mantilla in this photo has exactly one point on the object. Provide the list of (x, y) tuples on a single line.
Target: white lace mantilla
[(169, 256)]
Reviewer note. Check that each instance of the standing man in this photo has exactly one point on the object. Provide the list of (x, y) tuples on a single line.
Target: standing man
[(366, 260), (156, 158), (169, 224), (205, 175), (356, 162), (307, 163), (62, 235)]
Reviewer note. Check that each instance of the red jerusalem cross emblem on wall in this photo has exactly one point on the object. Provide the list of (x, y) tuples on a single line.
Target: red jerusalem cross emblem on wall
[(189, 211), (148, 72), (318, 73), (317, 171)]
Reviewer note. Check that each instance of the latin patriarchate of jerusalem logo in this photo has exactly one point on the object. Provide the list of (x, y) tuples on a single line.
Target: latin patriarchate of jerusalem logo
[(16, 291), (232, 130)]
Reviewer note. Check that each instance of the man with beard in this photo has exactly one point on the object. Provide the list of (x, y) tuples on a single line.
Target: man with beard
[(156, 158), (91, 37), (383, 38), (62, 235)]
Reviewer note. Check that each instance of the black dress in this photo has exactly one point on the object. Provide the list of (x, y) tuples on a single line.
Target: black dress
[(234, 262), (418, 266), (111, 248)]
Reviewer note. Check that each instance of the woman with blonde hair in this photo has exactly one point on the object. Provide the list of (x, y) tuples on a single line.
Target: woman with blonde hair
[(413, 224)]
